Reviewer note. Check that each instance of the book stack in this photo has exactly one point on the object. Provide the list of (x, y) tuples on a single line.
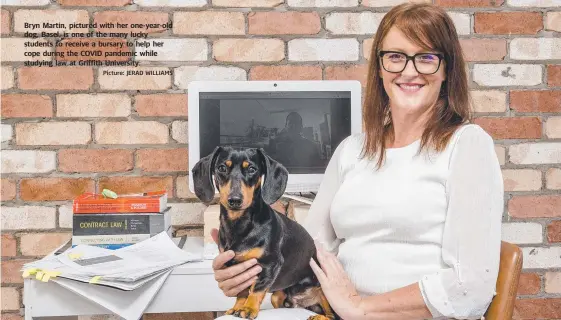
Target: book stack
[(114, 221)]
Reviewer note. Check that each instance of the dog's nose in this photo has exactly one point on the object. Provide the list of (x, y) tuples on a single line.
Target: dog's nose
[(235, 202)]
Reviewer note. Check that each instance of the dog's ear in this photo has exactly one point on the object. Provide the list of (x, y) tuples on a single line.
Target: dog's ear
[(202, 176), (276, 177)]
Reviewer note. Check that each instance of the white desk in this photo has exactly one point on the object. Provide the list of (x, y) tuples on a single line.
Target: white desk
[(189, 288)]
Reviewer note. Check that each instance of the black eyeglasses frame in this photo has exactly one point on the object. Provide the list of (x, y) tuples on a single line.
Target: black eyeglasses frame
[(412, 58)]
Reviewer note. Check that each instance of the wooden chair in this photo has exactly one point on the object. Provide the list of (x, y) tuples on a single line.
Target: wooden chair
[(502, 306)]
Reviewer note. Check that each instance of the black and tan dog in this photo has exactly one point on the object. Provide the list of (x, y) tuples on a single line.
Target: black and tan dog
[(252, 229)]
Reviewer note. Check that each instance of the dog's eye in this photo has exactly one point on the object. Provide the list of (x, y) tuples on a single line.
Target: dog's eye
[(251, 170), (221, 168)]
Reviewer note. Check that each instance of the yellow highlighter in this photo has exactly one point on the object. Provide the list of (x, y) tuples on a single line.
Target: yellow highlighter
[(109, 194)]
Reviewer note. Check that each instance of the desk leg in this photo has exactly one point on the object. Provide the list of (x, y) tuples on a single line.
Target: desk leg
[(27, 299)]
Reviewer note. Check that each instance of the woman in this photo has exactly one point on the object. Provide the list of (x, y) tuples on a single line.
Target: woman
[(413, 205)]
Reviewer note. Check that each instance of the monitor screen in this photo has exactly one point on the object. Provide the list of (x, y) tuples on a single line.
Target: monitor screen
[(300, 129)]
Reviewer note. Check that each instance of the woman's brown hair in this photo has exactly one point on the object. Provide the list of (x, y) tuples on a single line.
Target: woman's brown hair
[(430, 28)]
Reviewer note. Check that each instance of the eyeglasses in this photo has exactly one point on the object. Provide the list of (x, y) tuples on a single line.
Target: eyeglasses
[(424, 63)]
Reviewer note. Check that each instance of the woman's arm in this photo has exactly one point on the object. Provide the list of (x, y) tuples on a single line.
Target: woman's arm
[(318, 221), (471, 241), (403, 303)]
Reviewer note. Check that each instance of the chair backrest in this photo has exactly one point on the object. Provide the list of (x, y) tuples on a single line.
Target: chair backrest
[(502, 306)]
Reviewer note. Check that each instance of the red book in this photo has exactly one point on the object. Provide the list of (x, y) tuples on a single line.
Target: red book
[(155, 201)]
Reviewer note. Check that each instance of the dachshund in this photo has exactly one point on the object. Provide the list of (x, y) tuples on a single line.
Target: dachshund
[(252, 229)]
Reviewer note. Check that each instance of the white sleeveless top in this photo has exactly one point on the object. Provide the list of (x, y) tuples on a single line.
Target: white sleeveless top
[(432, 219)]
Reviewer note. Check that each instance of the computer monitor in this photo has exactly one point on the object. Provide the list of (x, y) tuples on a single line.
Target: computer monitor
[(298, 123)]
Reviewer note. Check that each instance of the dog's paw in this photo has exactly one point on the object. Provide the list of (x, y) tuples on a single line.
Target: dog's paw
[(246, 312)]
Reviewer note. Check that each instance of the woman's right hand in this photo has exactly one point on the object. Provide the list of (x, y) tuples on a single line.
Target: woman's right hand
[(232, 280)]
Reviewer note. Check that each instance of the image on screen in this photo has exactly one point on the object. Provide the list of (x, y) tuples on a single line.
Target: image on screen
[(299, 129)]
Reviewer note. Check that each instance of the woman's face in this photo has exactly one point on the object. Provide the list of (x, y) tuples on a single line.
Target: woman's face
[(409, 90)]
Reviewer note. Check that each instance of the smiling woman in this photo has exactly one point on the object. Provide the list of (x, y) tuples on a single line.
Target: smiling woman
[(428, 33), (409, 211)]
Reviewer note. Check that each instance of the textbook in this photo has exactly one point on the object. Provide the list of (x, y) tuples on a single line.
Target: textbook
[(113, 241), (122, 223), (148, 202), (117, 230)]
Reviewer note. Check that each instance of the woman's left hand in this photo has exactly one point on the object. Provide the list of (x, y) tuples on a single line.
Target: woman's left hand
[(336, 285)]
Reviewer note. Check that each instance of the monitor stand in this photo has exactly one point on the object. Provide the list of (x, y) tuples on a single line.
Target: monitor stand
[(300, 198)]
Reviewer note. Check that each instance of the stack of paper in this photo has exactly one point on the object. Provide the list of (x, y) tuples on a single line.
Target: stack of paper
[(124, 281), (126, 268)]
